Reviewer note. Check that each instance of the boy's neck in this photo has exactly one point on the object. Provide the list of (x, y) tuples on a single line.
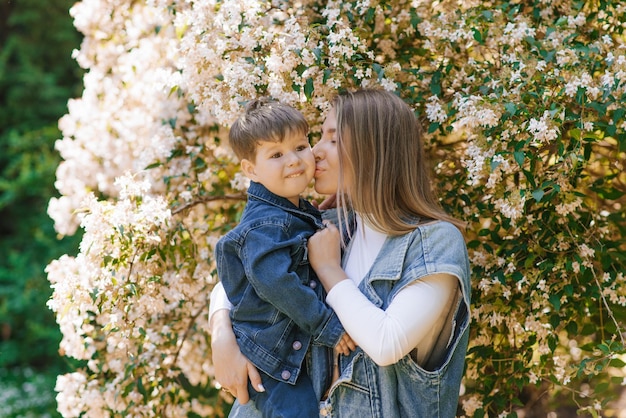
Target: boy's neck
[(296, 203)]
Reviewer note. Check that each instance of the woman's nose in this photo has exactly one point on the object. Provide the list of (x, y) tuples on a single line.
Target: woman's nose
[(317, 152)]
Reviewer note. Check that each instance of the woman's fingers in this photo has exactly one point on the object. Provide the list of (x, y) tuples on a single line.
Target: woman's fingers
[(231, 367), (324, 245), (255, 378), (329, 202)]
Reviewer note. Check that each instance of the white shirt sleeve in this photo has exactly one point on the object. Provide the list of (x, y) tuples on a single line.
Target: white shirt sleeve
[(219, 300), (412, 320)]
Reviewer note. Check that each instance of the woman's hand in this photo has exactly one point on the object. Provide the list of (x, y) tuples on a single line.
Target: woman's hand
[(232, 369), (325, 255), (328, 203)]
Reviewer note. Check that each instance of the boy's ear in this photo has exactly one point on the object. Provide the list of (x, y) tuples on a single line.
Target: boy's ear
[(247, 167)]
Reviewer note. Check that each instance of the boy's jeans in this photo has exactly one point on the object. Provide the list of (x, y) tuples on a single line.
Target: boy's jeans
[(282, 400)]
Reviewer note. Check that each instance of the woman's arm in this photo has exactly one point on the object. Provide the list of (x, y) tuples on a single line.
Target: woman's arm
[(232, 369), (413, 319), (219, 300)]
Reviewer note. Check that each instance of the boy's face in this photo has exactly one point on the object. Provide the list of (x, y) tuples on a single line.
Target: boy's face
[(286, 168)]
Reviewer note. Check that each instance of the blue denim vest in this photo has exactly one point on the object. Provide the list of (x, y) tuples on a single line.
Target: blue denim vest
[(278, 301), (406, 389)]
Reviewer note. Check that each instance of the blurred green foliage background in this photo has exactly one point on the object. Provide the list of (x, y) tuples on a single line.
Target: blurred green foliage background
[(37, 77)]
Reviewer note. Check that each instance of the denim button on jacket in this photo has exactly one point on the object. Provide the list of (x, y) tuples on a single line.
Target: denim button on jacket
[(264, 268)]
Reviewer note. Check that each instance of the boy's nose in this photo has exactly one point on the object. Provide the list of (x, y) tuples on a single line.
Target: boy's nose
[(294, 159)]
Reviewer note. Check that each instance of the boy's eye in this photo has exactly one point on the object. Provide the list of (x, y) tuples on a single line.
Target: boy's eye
[(301, 147), (276, 155)]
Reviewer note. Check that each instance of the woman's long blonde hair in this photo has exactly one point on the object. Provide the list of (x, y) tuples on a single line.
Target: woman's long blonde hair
[(381, 154)]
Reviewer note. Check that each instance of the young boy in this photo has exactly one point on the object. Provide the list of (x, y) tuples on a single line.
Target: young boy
[(262, 263)]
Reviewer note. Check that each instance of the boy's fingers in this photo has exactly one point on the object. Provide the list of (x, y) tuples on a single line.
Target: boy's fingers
[(339, 348), (351, 345)]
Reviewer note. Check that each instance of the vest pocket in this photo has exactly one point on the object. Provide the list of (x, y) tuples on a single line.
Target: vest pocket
[(352, 394)]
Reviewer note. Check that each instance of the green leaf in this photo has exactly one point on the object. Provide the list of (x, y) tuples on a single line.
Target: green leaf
[(511, 108), (611, 130), (581, 97), (327, 73), (318, 55), (435, 84), (601, 387), (555, 300), (308, 88), (478, 36), (618, 114), (598, 107), (574, 133), (572, 328), (617, 362), (378, 69), (548, 56), (538, 194), (154, 165)]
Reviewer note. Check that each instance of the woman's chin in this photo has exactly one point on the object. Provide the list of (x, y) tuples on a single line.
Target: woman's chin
[(321, 189)]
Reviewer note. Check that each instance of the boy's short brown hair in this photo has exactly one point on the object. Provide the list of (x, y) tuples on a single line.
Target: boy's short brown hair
[(264, 120)]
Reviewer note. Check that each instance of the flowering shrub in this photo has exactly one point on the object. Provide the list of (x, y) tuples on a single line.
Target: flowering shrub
[(522, 104)]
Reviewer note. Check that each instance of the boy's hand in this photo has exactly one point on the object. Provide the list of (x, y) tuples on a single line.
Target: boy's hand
[(346, 345)]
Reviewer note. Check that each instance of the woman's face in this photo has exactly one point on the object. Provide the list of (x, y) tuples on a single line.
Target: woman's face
[(327, 157)]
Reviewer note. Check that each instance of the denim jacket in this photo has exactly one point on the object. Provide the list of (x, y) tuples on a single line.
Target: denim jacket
[(405, 389), (278, 302)]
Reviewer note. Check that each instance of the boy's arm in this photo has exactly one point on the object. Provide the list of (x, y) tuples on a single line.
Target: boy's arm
[(267, 255)]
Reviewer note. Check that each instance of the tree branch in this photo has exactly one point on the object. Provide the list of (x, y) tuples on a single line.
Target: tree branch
[(208, 199)]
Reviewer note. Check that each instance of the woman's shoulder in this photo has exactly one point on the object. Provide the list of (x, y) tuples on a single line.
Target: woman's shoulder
[(438, 230), (444, 250), (441, 243)]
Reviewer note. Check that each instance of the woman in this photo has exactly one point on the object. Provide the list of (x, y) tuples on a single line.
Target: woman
[(402, 291)]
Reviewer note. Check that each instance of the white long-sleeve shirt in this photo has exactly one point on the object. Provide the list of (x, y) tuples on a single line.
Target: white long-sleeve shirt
[(413, 320)]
